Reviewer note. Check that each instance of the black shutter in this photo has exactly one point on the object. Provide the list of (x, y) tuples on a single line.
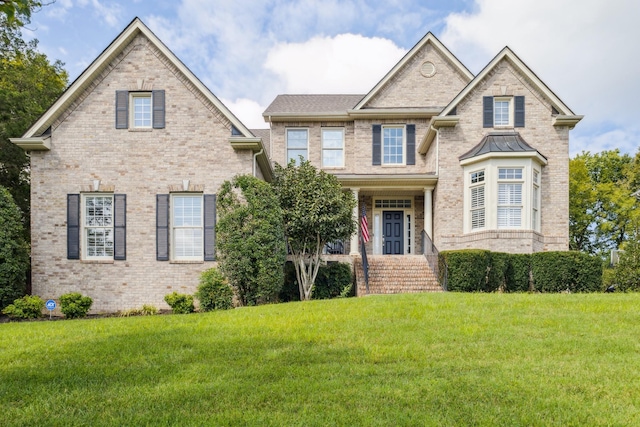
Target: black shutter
[(411, 144), (209, 227), (122, 109), (158, 109), (120, 226), (377, 144), (518, 110), (162, 227), (73, 226), (487, 111)]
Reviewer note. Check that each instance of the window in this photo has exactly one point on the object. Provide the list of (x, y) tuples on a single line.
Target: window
[(504, 111), (477, 200), (98, 226), (141, 111), (297, 144), (332, 148), (509, 198), (535, 202), (392, 145), (186, 216), (501, 112)]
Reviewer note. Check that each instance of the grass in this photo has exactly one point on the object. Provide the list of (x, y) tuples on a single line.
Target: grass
[(431, 359)]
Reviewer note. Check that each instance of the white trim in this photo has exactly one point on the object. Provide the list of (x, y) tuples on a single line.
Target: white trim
[(286, 142), (132, 109), (341, 149), (83, 227), (172, 228), (409, 242), (404, 144)]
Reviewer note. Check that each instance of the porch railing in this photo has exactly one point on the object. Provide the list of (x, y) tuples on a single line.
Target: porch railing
[(435, 260), (334, 248), (365, 264)]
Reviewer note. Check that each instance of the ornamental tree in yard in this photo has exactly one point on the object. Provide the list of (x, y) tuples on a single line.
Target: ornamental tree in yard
[(251, 246), (14, 251), (316, 211)]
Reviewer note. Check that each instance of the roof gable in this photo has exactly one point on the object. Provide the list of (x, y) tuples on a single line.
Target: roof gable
[(103, 61), (427, 49)]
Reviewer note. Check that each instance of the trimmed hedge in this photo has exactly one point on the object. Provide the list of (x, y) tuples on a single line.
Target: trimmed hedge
[(485, 271)]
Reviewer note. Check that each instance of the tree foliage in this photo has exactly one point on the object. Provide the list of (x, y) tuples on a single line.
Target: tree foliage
[(251, 247), (601, 201), (626, 275), (316, 210), (17, 13), (14, 251), (29, 84)]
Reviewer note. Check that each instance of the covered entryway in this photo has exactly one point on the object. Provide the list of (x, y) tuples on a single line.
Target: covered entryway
[(393, 237)]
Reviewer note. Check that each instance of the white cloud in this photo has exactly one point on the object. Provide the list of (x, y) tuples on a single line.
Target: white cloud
[(248, 111), (583, 52), (346, 63)]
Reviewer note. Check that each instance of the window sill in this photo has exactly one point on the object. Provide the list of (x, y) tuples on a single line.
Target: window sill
[(186, 262), (97, 261), (140, 129)]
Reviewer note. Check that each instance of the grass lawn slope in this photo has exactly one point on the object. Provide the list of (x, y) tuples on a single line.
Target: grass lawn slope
[(444, 359)]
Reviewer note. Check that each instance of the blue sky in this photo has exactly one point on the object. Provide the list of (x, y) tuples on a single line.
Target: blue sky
[(247, 51)]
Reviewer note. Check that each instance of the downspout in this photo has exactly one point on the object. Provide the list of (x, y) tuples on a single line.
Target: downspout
[(255, 161), (270, 140), (437, 150)]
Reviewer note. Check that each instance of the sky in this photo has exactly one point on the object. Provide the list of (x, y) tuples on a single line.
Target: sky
[(248, 51)]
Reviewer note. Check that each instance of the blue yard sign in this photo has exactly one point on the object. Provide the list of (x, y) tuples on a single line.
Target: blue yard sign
[(51, 305)]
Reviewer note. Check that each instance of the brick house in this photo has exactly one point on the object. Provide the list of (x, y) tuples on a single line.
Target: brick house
[(126, 164)]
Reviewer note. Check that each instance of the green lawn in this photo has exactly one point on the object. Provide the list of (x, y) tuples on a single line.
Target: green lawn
[(445, 359)]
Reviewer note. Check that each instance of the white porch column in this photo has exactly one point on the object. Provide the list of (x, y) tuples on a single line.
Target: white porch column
[(354, 237), (428, 211)]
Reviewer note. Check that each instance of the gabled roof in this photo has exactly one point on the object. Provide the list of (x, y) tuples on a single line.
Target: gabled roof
[(499, 142), (428, 38), (311, 104), (85, 79), (507, 54)]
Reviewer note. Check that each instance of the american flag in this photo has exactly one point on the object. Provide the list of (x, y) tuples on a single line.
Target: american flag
[(364, 225)]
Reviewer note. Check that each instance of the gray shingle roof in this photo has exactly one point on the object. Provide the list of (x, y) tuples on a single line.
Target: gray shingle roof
[(499, 142), (335, 104), (262, 133)]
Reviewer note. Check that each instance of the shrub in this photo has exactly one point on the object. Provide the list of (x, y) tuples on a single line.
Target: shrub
[(497, 273), (180, 303), (27, 307), (74, 305), (146, 310), (14, 251), (566, 271), (332, 279), (518, 273), (214, 292), (467, 269)]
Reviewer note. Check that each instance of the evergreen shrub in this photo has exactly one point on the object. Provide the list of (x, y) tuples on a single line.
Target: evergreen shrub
[(180, 303), (27, 307), (74, 305), (214, 292)]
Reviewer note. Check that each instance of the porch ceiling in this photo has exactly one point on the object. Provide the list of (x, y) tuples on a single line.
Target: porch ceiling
[(389, 184)]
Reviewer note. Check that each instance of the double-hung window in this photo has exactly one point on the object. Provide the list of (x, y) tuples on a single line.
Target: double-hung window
[(332, 148), (187, 222), (297, 144), (509, 197), (393, 145), (502, 112), (141, 111), (477, 188), (98, 235)]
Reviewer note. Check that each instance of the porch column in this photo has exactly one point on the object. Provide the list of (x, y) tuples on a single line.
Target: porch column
[(355, 250), (428, 211)]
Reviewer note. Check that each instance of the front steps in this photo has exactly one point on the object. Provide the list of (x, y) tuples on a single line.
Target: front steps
[(395, 274)]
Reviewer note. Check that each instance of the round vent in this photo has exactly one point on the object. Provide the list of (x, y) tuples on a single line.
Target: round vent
[(428, 69)]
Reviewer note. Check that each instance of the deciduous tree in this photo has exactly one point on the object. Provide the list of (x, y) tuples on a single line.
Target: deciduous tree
[(14, 251)]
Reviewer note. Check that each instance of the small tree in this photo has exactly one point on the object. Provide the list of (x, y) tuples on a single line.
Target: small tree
[(251, 244), (626, 275), (14, 251), (316, 210)]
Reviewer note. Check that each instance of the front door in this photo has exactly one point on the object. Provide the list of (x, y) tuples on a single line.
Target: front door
[(392, 224)]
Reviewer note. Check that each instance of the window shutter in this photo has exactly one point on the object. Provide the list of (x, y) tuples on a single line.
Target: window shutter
[(518, 120), (120, 228), (209, 227), (487, 111), (122, 109), (73, 226), (377, 144), (162, 227), (158, 109), (411, 144)]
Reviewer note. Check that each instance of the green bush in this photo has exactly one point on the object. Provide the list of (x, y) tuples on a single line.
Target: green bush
[(74, 305), (566, 271), (332, 280), (467, 269), (180, 303), (518, 273), (498, 272), (27, 307), (146, 310), (214, 292), (14, 251)]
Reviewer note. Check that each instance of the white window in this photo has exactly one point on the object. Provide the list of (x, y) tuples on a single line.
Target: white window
[(141, 111), (502, 112), (477, 200), (332, 148), (509, 198), (187, 227), (297, 144), (98, 226), (393, 145)]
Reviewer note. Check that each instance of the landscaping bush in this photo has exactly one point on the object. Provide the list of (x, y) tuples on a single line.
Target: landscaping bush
[(497, 273), (180, 303), (467, 269), (518, 273), (73, 305), (146, 310), (214, 292), (332, 279), (27, 307), (14, 251), (566, 271)]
